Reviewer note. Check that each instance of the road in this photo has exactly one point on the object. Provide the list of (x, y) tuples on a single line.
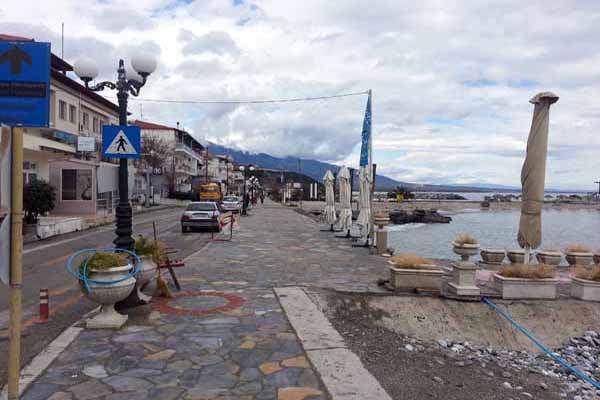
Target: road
[(44, 265)]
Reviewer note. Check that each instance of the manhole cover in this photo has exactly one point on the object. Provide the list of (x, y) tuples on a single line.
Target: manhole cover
[(198, 303)]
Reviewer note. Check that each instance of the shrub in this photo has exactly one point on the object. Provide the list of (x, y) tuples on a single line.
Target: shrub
[(38, 198), (146, 247), (588, 274), (104, 260), (465, 238), (412, 261), (578, 248), (526, 271)]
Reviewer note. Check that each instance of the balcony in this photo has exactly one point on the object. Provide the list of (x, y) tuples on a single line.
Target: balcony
[(182, 148)]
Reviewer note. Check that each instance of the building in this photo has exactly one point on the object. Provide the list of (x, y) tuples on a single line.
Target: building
[(83, 183), (180, 166)]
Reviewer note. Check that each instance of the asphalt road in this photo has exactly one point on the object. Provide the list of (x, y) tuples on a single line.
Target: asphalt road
[(44, 266)]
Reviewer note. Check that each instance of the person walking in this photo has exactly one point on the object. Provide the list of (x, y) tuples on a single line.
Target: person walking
[(262, 198)]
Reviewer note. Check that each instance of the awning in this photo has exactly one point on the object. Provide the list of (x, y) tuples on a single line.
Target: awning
[(37, 143)]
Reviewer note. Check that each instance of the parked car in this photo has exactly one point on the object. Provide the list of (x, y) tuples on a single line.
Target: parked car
[(201, 214), (231, 203)]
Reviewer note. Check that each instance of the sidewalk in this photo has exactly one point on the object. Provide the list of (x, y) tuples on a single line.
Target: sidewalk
[(225, 335)]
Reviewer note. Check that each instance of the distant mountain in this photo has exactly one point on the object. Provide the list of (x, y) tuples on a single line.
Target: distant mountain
[(316, 169)]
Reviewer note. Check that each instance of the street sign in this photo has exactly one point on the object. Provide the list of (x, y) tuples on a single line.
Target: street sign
[(24, 83), (86, 143), (157, 171), (121, 141), (5, 197)]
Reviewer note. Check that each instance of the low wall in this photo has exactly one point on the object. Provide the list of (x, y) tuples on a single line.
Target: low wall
[(52, 226)]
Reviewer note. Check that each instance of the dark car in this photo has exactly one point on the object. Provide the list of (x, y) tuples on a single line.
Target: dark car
[(202, 214)]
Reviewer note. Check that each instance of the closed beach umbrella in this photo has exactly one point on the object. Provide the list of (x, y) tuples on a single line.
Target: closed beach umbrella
[(533, 173), (364, 201), (345, 221), (330, 216)]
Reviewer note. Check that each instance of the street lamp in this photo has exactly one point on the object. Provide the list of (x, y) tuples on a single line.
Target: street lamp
[(245, 170), (143, 65)]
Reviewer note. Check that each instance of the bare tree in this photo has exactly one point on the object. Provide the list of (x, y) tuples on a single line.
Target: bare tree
[(156, 151)]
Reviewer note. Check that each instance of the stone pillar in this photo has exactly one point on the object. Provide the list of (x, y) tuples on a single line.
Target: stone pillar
[(463, 281), (381, 240)]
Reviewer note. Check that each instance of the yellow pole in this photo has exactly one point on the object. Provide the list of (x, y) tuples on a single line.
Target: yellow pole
[(16, 250)]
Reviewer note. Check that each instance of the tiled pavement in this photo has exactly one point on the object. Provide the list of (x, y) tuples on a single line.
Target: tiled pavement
[(225, 336)]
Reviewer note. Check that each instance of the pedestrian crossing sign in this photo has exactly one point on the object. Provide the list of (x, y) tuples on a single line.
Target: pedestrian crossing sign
[(121, 141)]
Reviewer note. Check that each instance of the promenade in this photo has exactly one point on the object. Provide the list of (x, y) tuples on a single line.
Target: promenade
[(225, 335)]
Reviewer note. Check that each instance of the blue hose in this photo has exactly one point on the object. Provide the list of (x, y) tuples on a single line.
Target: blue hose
[(82, 276), (541, 345)]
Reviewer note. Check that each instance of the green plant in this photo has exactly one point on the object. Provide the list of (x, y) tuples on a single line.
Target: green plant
[(588, 274), (144, 246), (578, 248), (104, 260), (526, 271), (38, 198), (465, 238), (412, 261)]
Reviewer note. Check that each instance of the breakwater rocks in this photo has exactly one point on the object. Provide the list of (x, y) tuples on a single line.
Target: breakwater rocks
[(418, 216), (437, 196)]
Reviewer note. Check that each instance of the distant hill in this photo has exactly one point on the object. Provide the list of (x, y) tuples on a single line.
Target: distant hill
[(316, 169)]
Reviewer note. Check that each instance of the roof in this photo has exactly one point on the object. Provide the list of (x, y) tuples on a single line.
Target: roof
[(6, 37), (60, 77), (152, 125)]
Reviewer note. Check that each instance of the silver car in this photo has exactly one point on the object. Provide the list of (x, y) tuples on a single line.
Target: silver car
[(201, 214), (231, 203)]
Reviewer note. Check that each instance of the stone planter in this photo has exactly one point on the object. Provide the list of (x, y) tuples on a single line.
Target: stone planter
[(147, 273), (465, 250), (597, 258), (516, 256), (583, 289), (492, 256), (520, 288), (576, 258), (402, 278), (108, 294), (382, 220), (549, 257)]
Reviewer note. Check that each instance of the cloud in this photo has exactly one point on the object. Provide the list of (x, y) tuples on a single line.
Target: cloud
[(116, 21), (216, 42)]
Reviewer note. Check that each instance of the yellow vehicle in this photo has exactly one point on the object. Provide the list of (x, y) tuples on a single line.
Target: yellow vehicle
[(210, 192)]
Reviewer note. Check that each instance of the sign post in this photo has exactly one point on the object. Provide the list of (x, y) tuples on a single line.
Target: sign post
[(24, 101)]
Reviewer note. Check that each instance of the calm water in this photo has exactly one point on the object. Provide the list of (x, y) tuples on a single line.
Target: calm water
[(497, 229), (479, 196)]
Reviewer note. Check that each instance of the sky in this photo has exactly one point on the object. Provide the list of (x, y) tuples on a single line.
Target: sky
[(451, 80)]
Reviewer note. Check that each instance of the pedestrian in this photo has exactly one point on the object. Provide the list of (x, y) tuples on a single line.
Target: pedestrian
[(262, 198)]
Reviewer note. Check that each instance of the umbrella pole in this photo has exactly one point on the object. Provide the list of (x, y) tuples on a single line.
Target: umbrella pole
[(527, 254)]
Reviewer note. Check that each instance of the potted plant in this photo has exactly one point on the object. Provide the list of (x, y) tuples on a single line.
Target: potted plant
[(577, 254), (148, 251), (106, 279), (524, 281), (549, 256), (516, 256), (492, 256), (465, 246), (585, 284), (414, 272)]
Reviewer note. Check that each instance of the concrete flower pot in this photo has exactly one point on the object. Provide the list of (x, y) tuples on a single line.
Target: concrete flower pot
[(521, 288), (465, 250), (583, 289), (549, 257), (516, 256), (147, 273), (597, 258), (463, 281), (108, 294), (492, 256), (577, 258), (403, 278)]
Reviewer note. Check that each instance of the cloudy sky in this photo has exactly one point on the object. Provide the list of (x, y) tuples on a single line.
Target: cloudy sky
[(451, 80)]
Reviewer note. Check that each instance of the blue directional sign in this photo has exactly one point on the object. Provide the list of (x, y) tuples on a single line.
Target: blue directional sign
[(121, 141), (24, 83)]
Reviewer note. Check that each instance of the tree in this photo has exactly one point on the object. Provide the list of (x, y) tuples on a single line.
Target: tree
[(38, 198), (156, 153)]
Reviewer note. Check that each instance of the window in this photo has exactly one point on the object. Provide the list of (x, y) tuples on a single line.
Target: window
[(95, 125), (72, 113), (29, 171), (62, 110), (85, 120), (76, 184)]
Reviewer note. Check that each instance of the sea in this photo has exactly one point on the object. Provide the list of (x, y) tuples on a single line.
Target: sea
[(497, 229)]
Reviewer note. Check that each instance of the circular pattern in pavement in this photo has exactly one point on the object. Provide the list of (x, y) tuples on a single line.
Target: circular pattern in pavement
[(198, 303)]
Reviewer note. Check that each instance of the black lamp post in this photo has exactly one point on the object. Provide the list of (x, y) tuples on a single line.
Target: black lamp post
[(143, 66), (245, 170)]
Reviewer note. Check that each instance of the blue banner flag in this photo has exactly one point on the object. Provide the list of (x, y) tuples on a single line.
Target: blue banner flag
[(366, 135)]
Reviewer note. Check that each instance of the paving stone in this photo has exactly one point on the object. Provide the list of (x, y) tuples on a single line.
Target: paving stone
[(90, 390), (248, 344), (296, 362), (59, 396), (127, 384), (95, 371), (269, 367), (297, 393), (168, 393), (161, 355), (40, 391), (141, 372)]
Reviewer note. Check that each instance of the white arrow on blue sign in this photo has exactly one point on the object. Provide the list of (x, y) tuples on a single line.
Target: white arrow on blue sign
[(121, 141)]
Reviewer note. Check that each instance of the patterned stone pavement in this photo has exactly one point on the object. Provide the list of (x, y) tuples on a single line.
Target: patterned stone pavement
[(225, 335)]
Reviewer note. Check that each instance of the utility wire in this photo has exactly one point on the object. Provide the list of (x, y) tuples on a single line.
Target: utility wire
[(292, 100)]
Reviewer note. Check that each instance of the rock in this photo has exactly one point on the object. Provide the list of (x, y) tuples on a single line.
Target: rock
[(507, 385), (409, 347), (443, 343), (438, 379)]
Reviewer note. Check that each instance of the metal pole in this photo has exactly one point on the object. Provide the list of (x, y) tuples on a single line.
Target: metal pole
[(123, 212), (244, 195), (148, 186), (16, 250)]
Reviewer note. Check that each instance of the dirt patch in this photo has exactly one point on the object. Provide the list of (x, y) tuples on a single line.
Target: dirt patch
[(410, 368)]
